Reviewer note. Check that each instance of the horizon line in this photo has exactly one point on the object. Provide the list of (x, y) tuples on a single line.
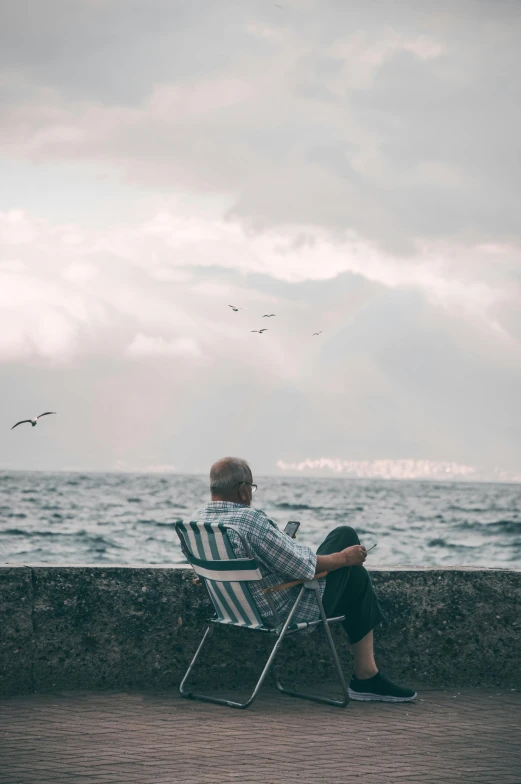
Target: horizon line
[(298, 475)]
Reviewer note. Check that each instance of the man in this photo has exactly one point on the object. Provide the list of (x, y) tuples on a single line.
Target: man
[(346, 590)]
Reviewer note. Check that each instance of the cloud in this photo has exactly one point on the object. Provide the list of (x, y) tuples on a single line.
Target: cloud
[(148, 346), (363, 54), (354, 168), (161, 468), (12, 266), (79, 273), (137, 288), (265, 32), (394, 122)]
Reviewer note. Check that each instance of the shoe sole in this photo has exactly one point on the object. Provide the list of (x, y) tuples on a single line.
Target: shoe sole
[(368, 697)]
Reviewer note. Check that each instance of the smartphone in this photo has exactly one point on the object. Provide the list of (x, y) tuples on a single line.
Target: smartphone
[(372, 548), (292, 528)]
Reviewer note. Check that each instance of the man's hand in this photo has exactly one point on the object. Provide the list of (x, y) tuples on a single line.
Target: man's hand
[(355, 555), (351, 556)]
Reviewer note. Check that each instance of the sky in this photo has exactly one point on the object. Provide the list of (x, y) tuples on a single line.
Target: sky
[(354, 168)]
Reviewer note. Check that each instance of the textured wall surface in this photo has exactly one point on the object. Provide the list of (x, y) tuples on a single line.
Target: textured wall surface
[(16, 629), (91, 627)]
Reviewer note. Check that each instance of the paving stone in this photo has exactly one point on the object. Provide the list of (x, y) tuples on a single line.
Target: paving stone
[(159, 738)]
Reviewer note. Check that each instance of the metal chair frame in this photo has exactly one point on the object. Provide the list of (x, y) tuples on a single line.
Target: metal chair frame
[(280, 630)]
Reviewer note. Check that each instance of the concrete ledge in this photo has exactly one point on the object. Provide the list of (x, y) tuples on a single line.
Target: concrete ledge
[(16, 630), (92, 627)]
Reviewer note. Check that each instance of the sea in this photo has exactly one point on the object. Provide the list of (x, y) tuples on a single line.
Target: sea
[(110, 518)]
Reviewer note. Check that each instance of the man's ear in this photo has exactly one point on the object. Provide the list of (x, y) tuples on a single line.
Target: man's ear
[(243, 493)]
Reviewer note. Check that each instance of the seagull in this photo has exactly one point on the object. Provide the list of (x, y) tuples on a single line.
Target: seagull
[(317, 333), (260, 331), (268, 315), (32, 421), (235, 310)]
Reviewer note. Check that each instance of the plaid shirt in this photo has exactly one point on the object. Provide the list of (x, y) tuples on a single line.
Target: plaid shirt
[(280, 558)]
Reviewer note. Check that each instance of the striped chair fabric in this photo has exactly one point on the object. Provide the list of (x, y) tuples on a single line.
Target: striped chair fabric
[(210, 553)]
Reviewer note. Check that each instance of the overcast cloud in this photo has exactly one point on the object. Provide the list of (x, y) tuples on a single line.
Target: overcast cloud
[(354, 168)]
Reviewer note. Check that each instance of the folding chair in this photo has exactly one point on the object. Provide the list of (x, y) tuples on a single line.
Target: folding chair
[(208, 549)]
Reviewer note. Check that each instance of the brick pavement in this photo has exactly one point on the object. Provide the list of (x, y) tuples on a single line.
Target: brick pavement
[(158, 738)]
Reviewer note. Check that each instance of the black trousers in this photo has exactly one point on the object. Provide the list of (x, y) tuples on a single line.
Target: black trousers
[(349, 591)]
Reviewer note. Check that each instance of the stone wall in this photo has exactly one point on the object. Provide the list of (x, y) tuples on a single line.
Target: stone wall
[(92, 627)]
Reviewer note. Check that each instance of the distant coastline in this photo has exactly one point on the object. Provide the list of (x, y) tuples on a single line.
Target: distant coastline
[(408, 469), (477, 476)]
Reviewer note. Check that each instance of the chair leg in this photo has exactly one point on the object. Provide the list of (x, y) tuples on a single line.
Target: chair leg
[(208, 631), (304, 695), (266, 669)]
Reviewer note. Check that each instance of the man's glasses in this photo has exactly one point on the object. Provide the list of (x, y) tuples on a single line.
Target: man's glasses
[(253, 487)]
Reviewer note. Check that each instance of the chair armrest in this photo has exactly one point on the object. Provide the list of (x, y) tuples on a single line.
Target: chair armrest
[(282, 587)]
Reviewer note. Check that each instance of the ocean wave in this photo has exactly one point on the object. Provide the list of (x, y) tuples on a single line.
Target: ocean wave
[(466, 509), (168, 525), (30, 534), (14, 532), (413, 522), (339, 509), (498, 526), (505, 526), (296, 507), (153, 521), (437, 543), (95, 539), (450, 545), (101, 541)]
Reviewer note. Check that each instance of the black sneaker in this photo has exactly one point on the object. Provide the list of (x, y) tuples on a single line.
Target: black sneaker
[(379, 689)]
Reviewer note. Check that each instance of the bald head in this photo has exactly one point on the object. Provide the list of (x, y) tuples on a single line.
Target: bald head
[(227, 476)]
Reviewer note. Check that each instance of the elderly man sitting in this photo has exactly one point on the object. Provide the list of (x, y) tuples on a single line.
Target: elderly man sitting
[(346, 590)]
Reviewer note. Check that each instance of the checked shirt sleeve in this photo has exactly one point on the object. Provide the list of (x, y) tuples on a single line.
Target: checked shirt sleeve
[(279, 553)]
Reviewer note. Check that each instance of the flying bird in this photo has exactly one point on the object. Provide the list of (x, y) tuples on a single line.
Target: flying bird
[(235, 310), (260, 331), (33, 421), (317, 333), (268, 315)]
